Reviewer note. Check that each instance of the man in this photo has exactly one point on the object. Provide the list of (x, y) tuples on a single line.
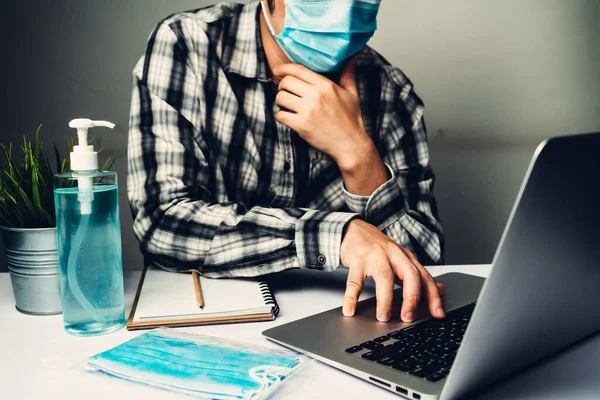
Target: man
[(267, 136)]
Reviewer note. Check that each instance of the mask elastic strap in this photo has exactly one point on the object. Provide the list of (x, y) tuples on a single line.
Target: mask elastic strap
[(264, 11), (268, 375), (272, 30)]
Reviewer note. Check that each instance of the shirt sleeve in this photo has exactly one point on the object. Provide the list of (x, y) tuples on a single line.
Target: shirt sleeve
[(179, 224), (404, 207)]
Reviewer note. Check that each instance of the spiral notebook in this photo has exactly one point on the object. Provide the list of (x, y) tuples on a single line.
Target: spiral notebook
[(171, 299)]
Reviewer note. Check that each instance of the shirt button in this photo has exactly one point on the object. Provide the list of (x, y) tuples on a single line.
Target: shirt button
[(376, 213), (321, 259), (287, 166)]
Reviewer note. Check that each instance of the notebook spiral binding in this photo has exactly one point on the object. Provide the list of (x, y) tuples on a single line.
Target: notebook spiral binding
[(267, 295)]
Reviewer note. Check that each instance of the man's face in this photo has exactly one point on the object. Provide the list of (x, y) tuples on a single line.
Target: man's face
[(316, 37)]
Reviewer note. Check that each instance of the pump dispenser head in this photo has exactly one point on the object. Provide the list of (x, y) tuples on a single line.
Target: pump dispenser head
[(84, 160), (84, 157)]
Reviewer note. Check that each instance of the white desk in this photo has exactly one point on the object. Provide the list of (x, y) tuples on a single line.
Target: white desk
[(39, 360)]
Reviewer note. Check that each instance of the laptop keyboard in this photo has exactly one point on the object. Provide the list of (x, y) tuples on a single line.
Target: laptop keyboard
[(425, 350)]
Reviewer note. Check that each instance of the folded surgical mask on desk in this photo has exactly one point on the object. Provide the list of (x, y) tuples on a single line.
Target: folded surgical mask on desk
[(207, 367)]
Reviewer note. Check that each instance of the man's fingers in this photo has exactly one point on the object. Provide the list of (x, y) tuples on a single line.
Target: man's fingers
[(288, 119), (411, 283), (432, 293), (300, 72), (354, 286), (288, 101), (441, 288), (384, 289), (295, 86), (434, 299)]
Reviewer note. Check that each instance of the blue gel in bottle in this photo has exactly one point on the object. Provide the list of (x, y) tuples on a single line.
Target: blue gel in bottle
[(89, 246)]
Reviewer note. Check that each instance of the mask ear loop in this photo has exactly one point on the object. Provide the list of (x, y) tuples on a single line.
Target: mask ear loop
[(272, 30), (268, 375), (264, 11)]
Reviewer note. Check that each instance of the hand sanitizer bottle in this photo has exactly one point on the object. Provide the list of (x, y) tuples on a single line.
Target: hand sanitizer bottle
[(89, 241)]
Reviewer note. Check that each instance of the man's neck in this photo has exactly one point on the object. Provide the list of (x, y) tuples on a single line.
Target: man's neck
[(273, 52)]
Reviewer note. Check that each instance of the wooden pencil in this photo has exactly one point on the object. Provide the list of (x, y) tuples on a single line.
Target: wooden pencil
[(199, 297)]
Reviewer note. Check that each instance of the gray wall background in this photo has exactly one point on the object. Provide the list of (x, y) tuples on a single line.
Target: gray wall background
[(497, 77)]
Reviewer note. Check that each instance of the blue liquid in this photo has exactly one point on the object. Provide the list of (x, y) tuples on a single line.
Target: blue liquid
[(89, 248)]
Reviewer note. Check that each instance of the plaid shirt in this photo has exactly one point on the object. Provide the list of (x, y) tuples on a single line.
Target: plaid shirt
[(217, 185)]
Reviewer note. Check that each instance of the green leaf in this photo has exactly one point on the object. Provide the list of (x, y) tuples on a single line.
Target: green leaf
[(9, 210), (107, 164), (11, 197), (22, 196), (58, 159), (35, 189), (38, 144), (25, 148), (8, 156)]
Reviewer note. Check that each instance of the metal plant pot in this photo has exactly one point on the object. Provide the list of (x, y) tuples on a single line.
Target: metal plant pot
[(32, 257)]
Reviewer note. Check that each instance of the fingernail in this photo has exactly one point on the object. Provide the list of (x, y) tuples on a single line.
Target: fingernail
[(275, 71), (384, 317), (348, 311), (440, 311), (409, 317)]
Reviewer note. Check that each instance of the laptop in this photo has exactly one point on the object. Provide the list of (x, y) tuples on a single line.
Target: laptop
[(542, 295)]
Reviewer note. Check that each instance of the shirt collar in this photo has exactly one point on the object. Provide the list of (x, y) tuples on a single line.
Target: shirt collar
[(247, 57)]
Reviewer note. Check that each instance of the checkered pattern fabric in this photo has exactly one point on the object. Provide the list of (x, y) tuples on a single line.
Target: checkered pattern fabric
[(217, 185)]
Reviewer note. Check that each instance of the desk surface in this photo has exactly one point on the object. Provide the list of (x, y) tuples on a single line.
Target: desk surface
[(39, 360)]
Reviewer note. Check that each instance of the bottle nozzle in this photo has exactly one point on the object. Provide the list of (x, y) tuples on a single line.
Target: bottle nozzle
[(83, 157), (84, 123), (106, 124)]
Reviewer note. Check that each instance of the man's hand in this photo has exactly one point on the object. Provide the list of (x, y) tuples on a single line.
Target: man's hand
[(367, 251), (326, 115)]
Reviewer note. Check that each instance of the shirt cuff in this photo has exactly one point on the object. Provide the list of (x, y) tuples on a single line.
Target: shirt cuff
[(356, 203), (319, 237), (383, 207)]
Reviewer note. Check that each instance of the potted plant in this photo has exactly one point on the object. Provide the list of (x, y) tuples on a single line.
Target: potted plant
[(28, 226)]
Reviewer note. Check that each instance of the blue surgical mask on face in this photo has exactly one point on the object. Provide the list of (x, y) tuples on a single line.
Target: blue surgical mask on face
[(322, 34), (199, 367)]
